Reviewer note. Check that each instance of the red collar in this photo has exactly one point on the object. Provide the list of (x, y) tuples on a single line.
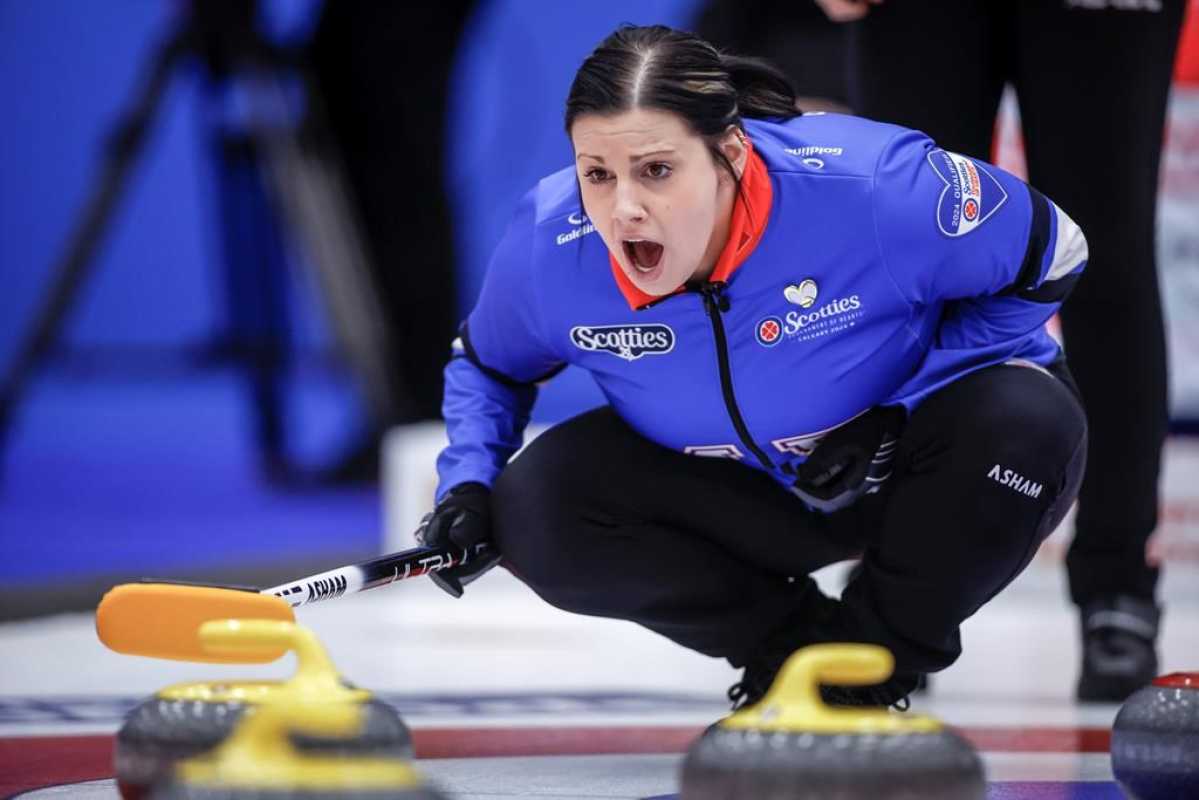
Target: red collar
[(745, 231)]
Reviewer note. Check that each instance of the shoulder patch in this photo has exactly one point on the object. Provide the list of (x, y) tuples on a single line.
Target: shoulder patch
[(971, 194)]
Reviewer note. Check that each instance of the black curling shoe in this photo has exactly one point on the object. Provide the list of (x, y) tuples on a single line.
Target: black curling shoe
[(894, 693), (1119, 656), (816, 619)]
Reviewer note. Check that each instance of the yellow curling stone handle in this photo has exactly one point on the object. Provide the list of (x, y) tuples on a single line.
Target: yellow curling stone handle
[(259, 754), (793, 703), (315, 676)]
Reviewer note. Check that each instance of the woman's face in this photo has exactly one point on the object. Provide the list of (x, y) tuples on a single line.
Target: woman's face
[(653, 191)]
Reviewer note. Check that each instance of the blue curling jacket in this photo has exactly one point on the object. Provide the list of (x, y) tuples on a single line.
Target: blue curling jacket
[(886, 268)]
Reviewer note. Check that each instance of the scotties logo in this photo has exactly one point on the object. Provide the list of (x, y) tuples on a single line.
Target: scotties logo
[(834, 317), (769, 331), (971, 194), (629, 342)]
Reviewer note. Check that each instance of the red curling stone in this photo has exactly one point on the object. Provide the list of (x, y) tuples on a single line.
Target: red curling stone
[(1155, 740)]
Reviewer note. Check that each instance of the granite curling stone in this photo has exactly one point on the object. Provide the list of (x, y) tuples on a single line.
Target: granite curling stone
[(1155, 740), (189, 719), (260, 759), (790, 745)]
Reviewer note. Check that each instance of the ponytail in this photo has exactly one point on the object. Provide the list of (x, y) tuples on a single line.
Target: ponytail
[(762, 89)]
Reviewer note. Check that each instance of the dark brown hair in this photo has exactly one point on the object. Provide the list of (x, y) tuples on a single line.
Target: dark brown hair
[(676, 71)]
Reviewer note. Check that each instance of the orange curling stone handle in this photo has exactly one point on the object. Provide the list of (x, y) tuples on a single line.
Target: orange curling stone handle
[(163, 620), (160, 619)]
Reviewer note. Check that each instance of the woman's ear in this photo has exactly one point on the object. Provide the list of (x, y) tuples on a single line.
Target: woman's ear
[(735, 147)]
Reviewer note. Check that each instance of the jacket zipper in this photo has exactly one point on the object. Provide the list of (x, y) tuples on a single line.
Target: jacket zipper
[(715, 303)]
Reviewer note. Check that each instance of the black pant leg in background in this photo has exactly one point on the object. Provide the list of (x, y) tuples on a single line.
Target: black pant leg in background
[(794, 36), (935, 67), (383, 69), (599, 520), (1093, 86), (962, 516)]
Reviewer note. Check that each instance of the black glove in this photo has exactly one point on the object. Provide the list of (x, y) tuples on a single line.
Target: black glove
[(851, 461), (462, 519)]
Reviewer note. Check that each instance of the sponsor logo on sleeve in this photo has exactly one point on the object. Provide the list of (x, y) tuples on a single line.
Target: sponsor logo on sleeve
[(581, 227), (813, 156), (971, 194), (629, 342)]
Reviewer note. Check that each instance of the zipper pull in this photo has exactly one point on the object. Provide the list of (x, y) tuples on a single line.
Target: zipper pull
[(714, 296), (722, 299)]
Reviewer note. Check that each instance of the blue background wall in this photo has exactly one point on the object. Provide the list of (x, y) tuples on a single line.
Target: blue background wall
[(125, 456)]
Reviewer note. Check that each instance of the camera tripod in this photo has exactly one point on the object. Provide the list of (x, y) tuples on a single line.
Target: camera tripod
[(280, 182)]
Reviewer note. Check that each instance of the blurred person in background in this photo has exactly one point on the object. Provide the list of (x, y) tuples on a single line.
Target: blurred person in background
[(384, 71), (1093, 78), (794, 36)]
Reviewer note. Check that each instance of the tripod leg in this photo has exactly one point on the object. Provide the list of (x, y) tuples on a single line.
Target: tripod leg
[(256, 295), (71, 270), (312, 193)]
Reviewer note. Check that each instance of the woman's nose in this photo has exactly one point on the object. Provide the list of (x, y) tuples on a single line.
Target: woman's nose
[(628, 207)]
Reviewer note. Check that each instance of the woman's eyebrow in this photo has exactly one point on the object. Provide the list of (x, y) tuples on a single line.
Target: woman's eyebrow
[(642, 156)]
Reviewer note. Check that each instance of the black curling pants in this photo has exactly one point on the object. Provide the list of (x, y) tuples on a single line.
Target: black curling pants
[(1092, 85), (715, 555)]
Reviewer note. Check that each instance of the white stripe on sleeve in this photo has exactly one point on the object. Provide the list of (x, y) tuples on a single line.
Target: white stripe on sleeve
[(1069, 248)]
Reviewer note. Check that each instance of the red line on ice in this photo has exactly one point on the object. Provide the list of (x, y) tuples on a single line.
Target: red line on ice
[(35, 761)]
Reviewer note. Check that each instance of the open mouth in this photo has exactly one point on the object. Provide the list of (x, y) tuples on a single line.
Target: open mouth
[(643, 254)]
